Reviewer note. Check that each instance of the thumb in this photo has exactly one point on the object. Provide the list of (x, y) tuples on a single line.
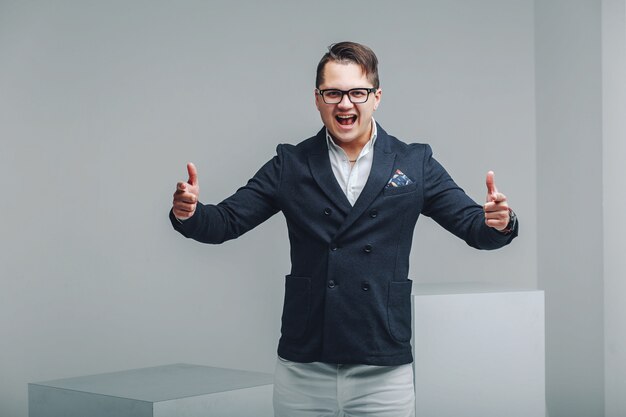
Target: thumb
[(193, 174), (491, 186)]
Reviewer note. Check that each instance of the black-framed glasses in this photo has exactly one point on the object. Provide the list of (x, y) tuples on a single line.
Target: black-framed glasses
[(355, 95)]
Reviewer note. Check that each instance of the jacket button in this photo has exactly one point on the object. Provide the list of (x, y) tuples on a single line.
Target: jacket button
[(331, 284), (373, 213), (333, 246), (365, 286), (367, 248), (327, 211)]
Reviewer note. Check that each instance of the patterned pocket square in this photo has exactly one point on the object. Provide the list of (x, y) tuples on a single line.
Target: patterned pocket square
[(399, 180)]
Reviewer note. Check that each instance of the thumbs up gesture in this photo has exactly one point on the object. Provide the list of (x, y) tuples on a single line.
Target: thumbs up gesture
[(186, 195), (496, 209)]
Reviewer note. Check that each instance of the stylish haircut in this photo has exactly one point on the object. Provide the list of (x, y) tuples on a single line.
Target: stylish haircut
[(350, 52)]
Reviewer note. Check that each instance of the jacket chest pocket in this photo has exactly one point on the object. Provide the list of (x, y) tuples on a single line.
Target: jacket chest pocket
[(406, 189)]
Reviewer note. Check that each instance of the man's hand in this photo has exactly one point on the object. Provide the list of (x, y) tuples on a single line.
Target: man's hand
[(186, 195), (496, 208)]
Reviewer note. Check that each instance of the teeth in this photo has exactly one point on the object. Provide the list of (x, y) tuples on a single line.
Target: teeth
[(341, 116)]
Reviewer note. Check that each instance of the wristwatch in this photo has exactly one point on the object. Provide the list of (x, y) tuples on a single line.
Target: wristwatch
[(512, 223)]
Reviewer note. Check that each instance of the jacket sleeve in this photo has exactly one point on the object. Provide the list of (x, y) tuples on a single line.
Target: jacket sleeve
[(250, 206), (449, 206)]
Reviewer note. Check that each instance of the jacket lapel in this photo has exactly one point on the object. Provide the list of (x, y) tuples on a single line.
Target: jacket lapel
[(381, 171), (319, 163)]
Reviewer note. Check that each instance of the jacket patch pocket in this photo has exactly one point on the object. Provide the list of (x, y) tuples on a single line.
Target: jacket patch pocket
[(297, 306), (389, 191), (399, 310)]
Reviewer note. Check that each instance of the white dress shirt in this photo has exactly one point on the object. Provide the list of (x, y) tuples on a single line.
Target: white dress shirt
[(352, 178)]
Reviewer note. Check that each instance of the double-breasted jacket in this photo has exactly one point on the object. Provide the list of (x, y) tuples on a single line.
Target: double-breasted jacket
[(347, 297)]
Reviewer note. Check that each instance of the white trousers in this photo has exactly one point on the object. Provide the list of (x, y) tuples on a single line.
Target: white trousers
[(329, 390)]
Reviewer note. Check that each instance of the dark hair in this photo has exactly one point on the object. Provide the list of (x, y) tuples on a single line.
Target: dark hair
[(350, 52)]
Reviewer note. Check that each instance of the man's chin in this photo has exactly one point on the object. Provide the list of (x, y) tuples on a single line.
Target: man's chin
[(342, 139), (343, 136)]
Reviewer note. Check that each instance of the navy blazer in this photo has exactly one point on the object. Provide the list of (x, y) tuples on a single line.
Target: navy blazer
[(347, 298)]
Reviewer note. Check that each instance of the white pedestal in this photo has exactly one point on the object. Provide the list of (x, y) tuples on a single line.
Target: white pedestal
[(179, 390), (479, 351)]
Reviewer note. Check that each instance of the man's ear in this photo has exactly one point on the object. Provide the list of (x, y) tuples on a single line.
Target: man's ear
[(377, 96), (315, 95)]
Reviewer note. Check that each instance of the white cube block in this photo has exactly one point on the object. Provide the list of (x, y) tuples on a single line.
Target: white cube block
[(179, 390), (479, 351)]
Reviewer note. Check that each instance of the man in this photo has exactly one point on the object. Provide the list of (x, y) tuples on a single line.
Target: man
[(351, 196)]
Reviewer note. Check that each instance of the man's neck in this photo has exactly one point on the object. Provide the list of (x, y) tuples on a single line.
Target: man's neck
[(353, 149)]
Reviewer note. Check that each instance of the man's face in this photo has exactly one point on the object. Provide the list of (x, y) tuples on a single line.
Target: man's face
[(347, 122)]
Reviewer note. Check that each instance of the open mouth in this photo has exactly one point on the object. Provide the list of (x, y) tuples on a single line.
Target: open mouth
[(346, 120)]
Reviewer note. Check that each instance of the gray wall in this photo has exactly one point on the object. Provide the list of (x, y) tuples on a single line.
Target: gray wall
[(569, 197), (103, 103), (614, 199)]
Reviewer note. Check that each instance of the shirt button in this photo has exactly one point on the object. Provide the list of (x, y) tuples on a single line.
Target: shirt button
[(327, 211), (365, 286), (331, 284), (333, 246), (367, 248), (373, 213)]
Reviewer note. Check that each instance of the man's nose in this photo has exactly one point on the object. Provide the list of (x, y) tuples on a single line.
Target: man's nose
[(345, 102)]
